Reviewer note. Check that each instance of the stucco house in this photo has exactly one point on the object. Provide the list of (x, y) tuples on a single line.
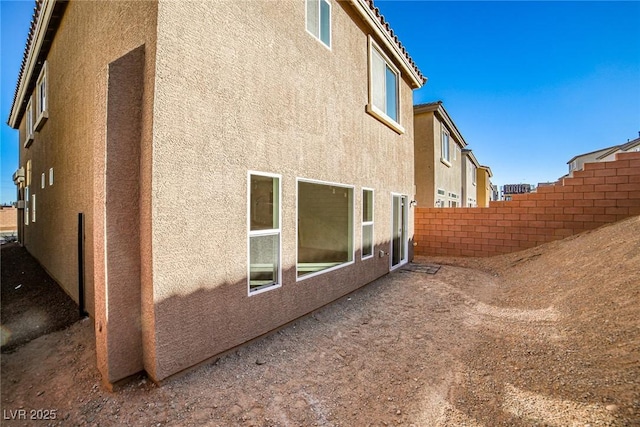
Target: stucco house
[(197, 176), (484, 186), (438, 157), (469, 179), (610, 155), (576, 163)]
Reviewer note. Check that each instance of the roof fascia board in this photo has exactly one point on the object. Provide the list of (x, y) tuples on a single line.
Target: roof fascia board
[(602, 150), (622, 148), (32, 58), (438, 109), (487, 168), (368, 16), (452, 126), (472, 157)]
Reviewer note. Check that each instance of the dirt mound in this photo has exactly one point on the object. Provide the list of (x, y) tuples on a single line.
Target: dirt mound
[(581, 341), (548, 337)]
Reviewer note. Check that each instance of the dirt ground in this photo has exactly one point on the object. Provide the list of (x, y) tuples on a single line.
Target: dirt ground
[(32, 303), (548, 337)]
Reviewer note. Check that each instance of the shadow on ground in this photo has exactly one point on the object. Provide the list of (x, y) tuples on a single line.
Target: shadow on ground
[(32, 303)]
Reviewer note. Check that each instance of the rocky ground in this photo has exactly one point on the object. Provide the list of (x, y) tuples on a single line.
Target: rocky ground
[(549, 337)]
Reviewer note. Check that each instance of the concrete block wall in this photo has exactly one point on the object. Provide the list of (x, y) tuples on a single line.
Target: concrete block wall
[(8, 219), (602, 193)]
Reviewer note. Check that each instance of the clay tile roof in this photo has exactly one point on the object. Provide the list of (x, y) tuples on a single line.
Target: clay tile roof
[(49, 32), (32, 29), (387, 27)]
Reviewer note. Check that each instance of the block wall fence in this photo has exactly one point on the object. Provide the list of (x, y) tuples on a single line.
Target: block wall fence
[(599, 194)]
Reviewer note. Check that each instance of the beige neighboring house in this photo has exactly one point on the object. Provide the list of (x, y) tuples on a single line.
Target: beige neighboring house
[(577, 163), (438, 157), (8, 222), (206, 174), (484, 186), (603, 155), (469, 179), (610, 155)]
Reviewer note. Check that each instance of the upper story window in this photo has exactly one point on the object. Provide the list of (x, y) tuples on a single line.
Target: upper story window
[(474, 172), (446, 156), (41, 95), (384, 88), (28, 119), (319, 20)]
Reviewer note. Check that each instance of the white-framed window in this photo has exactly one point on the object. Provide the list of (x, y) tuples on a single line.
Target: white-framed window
[(28, 119), (445, 145), (474, 172), (26, 205), (384, 88), (325, 227), (42, 179), (50, 176), (367, 223), (41, 98), (318, 17), (33, 208), (440, 198), (264, 240), (453, 200)]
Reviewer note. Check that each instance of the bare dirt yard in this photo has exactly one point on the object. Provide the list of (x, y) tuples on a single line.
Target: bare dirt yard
[(549, 336)]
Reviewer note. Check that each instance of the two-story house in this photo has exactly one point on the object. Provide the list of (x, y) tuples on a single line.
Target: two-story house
[(610, 155), (577, 162), (204, 174), (470, 167), (484, 186), (438, 157)]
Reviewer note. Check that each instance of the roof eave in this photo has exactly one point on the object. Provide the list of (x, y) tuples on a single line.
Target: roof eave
[(31, 60), (368, 15), (438, 108)]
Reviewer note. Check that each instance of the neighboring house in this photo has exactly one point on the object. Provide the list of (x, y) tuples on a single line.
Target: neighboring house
[(577, 163), (484, 186), (8, 221), (206, 174), (495, 192), (438, 157), (610, 155), (469, 179)]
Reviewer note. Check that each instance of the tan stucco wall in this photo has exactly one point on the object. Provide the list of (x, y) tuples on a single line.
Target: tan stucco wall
[(72, 142), (484, 187), (424, 159), (469, 184), (242, 86), (8, 219), (431, 172)]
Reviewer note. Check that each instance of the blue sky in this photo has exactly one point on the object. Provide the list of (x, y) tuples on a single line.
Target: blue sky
[(529, 84)]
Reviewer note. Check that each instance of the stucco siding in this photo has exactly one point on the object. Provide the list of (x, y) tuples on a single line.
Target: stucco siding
[(91, 35), (242, 86), (424, 159)]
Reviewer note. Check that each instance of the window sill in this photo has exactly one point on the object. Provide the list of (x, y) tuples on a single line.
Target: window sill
[(40, 121), (445, 162), (378, 114), (28, 141)]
